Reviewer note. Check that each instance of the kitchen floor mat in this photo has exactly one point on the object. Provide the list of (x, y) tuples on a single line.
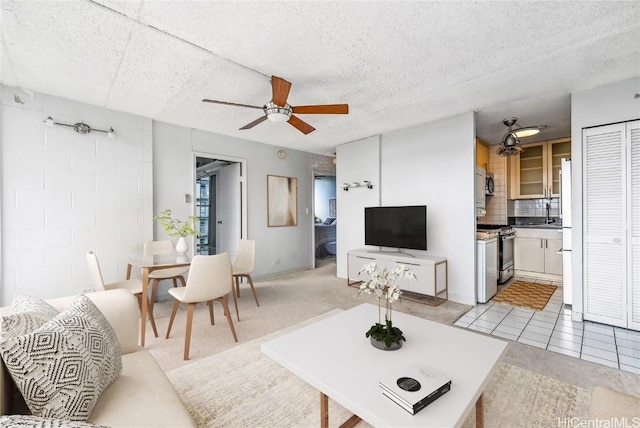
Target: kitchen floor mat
[(529, 294)]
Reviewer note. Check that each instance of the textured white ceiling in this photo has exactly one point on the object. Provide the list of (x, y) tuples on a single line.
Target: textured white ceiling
[(396, 64)]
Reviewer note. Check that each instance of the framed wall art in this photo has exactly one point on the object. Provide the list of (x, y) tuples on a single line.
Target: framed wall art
[(282, 201)]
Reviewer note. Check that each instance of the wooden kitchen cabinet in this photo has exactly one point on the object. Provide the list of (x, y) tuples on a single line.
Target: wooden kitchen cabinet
[(482, 154), (535, 173), (535, 253), (480, 185)]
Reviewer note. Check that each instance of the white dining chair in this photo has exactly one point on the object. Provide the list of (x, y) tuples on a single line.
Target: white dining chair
[(243, 266), (133, 285), (161, 248), (210, 279)]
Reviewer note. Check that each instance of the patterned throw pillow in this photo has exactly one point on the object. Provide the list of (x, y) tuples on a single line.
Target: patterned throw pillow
[(62, 368), (26, 314), (29, 421)]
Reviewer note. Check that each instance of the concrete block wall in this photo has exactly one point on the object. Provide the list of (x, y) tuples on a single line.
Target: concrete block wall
[(65, 193)]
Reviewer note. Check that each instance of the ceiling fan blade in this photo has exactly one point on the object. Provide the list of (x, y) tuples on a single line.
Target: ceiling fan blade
[(301, 125), (254, 123), (323, 109), (280, 88), (230, 104)]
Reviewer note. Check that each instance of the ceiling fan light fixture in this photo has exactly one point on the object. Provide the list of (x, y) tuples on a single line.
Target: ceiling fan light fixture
[(509, 146), (510, 139), (278, 117), (275, 113), (509, 150), (526, 132)]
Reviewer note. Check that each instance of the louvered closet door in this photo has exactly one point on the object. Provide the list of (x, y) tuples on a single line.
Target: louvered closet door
[(633, 141), (604, 213)]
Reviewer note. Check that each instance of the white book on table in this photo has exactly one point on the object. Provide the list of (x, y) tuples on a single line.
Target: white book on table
[(414, 387)]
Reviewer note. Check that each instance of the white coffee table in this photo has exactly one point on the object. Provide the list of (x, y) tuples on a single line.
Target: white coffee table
[(334, 356)]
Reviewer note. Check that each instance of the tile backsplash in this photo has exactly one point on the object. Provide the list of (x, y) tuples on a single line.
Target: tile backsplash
[(497, 204), (532, 207)]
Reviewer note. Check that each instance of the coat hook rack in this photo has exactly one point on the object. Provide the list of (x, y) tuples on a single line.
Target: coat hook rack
[(355, 184)]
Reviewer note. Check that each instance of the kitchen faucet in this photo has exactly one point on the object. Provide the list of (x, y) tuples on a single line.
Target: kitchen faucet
[(548, 219)]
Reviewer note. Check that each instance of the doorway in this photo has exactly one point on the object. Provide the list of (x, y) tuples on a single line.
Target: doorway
[(325, 218), (220, 189)]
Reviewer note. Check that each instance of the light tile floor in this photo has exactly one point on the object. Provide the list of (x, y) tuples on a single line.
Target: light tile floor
[(553, 329)]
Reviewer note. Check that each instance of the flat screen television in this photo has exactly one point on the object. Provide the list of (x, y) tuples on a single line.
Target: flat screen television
[(396, 227)]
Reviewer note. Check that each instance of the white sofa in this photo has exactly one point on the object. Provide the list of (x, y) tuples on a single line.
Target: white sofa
[(142, 396)]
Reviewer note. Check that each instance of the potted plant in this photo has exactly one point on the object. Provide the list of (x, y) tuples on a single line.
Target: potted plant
[(383, 284), (178, 228)]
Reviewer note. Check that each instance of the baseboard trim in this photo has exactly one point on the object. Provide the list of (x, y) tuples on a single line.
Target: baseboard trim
[(538, 275), (275, 275)]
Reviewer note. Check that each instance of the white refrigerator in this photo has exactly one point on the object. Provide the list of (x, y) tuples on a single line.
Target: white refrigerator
[(565, 214)]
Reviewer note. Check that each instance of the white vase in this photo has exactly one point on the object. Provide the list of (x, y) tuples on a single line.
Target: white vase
[(181, 246)]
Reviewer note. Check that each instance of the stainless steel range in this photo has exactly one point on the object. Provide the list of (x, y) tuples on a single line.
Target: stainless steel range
[(506, 235)]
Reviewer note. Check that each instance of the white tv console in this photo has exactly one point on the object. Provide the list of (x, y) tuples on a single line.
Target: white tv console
[(431, 271)]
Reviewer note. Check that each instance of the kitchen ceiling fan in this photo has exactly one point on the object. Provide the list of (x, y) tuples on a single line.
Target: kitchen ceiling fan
[(509, 146), (277, 110)]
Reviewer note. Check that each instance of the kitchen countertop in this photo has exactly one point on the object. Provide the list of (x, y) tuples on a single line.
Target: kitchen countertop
[(486, 236), (538, 226)]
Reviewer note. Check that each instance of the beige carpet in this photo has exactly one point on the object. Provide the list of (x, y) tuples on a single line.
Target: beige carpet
[(295, 298), (283, 302), (242, 387), (528, 294)]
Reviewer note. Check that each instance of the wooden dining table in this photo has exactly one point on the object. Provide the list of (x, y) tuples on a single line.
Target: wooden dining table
[(148, 264)]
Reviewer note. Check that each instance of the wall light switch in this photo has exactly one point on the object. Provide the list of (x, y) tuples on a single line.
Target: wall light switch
[(307, 211), (187, 198)]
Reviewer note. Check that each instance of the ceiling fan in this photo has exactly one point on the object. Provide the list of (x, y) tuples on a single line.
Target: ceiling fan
[(509, 146), (277, 110)]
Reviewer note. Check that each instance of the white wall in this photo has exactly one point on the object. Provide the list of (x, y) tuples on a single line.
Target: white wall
[(64, 194), (356, 161), (434, 165), (598, 106), (173, 151), (431, 164)]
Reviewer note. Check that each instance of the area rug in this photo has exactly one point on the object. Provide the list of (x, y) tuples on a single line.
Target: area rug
[(242, 387), (529, 294)]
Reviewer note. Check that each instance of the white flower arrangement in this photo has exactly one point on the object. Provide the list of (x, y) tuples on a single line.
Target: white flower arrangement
[(384, 284)]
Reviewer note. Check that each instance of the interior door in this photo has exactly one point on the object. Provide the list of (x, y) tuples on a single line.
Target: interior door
[(633, 137), (229, 208), (604, 217)]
